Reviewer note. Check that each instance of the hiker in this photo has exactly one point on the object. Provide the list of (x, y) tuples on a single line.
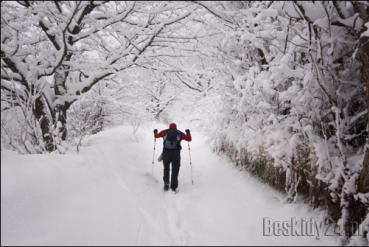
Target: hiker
[(171, 153)]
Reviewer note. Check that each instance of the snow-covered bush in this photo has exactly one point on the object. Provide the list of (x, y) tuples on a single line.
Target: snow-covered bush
[(87, 117), (19, 131)]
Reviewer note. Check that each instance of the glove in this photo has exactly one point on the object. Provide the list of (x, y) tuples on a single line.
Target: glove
[(155, 131), (187, 131)]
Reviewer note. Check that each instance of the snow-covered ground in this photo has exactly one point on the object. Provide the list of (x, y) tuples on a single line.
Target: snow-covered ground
[(106, 195)]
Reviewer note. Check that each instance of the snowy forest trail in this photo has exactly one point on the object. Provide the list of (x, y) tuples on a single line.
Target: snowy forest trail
[(106, 195)]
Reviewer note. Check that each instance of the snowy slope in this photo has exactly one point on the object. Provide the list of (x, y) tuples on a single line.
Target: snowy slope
[(106, 195)]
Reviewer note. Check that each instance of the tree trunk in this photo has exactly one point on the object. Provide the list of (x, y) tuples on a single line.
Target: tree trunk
[(363, 186), (44, 122), (61, 105), (61, 120)]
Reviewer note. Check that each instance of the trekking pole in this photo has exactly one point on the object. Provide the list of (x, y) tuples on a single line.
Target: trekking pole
[(189, 152), (153, 155)]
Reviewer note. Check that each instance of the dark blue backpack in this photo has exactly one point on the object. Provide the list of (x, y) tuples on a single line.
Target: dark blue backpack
[(172, 139)]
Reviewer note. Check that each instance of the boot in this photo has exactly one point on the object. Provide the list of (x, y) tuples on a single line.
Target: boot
[(166, 187)]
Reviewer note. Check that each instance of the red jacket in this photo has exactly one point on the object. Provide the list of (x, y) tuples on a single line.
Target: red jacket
[(186, 137)]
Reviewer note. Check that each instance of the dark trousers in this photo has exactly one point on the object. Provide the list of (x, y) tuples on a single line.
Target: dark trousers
[(171, 157)]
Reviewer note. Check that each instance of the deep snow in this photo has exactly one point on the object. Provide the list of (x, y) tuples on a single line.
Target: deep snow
[(106, 195)]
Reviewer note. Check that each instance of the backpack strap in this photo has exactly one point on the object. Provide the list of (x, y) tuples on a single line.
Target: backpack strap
[(165, 136)]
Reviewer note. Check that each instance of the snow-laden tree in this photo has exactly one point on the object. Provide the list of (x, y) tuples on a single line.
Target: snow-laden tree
[(295, 108), (53, 52)]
